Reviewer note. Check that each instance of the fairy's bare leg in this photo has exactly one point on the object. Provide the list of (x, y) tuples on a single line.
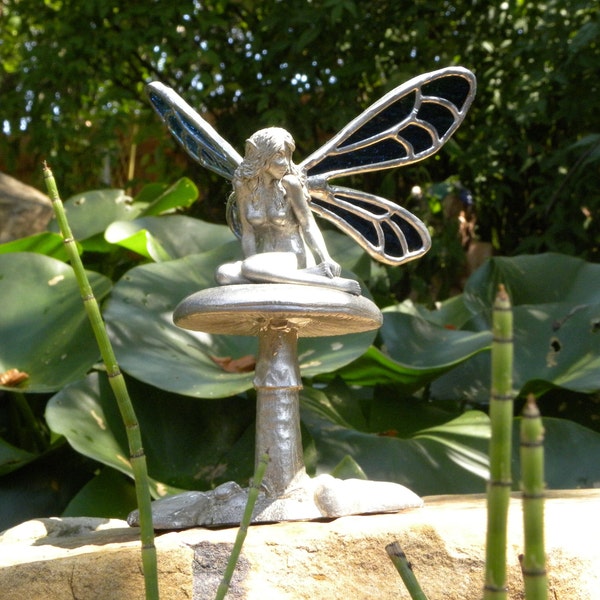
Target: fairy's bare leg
[(282, 267)]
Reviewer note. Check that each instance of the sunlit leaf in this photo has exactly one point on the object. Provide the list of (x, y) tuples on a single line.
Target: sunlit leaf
[(44, 328), (136, 239), (49, 244), (181, 194), (177, 235)]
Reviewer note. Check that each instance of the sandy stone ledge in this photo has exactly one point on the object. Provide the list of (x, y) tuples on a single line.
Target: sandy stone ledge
[(91, 559)]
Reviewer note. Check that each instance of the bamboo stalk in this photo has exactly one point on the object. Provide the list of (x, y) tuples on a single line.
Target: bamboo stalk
[(259, 474), (404, 568), (501, 417), (533, 560), (117, 382)]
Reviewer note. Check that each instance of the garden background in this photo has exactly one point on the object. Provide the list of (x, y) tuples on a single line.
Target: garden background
[(519, 181)]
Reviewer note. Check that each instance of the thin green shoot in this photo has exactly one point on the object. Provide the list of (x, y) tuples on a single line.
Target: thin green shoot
[(118, 385)]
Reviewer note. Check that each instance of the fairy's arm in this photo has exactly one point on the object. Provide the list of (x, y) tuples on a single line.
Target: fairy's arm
[(298, 197)]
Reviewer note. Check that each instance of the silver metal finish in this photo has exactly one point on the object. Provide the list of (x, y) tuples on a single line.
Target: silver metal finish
[(288, 286), (277, 382), (278, 315)]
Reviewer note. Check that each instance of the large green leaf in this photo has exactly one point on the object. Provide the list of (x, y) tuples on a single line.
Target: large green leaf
[(151, 348), (90, 213), (556, 311), (182, 194), (421, 344), (414, 352), (447, 458), (189, 444), (424, 448), (44, 329), (47, 243), (539, 279), (545, 356), (176, 235)]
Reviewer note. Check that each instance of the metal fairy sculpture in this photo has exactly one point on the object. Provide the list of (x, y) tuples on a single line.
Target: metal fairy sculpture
[(270, 207)]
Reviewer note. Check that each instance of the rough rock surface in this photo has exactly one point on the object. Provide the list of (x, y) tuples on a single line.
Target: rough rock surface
[(23, 209), (344, 558)]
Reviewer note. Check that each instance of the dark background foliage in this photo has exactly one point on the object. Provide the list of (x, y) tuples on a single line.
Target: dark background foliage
[(73, 74)]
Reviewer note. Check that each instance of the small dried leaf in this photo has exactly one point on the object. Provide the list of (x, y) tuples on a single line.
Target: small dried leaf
[(388, 433), (13, 377), (244, 364)]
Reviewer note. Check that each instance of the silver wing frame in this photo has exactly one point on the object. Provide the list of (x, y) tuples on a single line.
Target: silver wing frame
[(410, 123), (195, 135), (388, 232), (336, 145), (390, 226)]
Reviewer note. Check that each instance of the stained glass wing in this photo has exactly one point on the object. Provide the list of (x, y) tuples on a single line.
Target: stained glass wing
[(388, 232), (196, 136), (410, 123)]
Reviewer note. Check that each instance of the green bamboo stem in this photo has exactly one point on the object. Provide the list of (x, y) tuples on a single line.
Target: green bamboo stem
[(533, 561), (117, 382), (259, 475), (404, 567), (501, 417)]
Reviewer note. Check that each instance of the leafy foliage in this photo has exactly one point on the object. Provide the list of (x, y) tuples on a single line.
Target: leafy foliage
[(407, 406), (528, 151)]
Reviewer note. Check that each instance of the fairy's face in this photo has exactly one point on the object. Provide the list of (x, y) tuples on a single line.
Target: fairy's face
[(278, 166)]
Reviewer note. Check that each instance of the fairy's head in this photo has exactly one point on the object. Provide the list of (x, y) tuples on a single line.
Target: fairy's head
[(262, 147)]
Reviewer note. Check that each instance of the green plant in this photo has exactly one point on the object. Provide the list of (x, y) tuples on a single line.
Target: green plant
[(404, 568), (533, 559), (253, 492), (117, 383), (501, 417), (408, 405)]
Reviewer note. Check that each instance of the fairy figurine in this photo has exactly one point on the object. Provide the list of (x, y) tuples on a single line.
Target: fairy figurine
[(271, 206)]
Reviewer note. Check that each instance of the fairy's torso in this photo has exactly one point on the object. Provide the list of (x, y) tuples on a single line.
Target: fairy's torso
[(270, 213)]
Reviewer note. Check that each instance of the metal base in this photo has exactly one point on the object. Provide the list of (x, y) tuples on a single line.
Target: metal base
[(321, 497), (278, 314)]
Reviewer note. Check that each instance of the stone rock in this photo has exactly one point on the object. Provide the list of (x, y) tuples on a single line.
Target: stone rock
[(342, 558), (307, 498), (23, 209)]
